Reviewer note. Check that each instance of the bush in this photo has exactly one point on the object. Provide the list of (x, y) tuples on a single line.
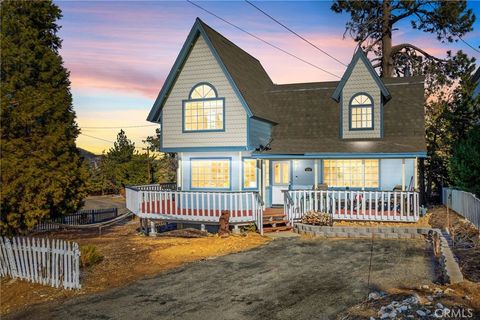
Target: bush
[(89, 256), (465, 163)]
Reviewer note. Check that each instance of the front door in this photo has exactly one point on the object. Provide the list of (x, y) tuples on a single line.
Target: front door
[(281, 180)]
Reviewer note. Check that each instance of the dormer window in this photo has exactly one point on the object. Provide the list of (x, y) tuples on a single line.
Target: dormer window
[(361, 112), (204, 110)]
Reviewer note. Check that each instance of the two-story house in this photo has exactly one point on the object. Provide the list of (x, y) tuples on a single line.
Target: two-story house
[(245, 144)]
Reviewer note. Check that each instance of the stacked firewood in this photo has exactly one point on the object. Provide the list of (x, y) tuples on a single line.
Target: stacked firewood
[(317, 218)]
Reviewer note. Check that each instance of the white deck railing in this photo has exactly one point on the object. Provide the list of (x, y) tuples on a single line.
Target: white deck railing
[(195, 206), (464, 203), (402, 206)]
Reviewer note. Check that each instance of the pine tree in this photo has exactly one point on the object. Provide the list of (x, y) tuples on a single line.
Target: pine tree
[(42, 174)]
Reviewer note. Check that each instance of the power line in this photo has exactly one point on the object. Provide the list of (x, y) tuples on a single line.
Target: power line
[(295, 33), (262, 40), (468, 44), (86, 135), (139, 126)]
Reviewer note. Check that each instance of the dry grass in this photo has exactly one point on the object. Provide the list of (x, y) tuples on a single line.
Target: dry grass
[(127, 257)]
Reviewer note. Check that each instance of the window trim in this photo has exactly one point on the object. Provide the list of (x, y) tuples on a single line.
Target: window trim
[(243, 173), (211, 159), (350, 106), (185, 101)]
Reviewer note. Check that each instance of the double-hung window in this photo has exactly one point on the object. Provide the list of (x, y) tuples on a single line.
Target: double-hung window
[(204, 110), (361, 112)]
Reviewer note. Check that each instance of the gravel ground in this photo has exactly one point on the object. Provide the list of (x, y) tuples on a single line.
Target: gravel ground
[(290, 278)]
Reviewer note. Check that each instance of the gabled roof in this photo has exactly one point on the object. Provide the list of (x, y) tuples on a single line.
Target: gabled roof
[(360, 55), (245, 73), (315, 125)]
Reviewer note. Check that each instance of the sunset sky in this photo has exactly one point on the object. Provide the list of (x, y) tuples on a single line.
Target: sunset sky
[(119, 53)]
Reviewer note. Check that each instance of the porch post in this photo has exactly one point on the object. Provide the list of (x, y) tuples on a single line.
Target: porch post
[(240, 171), (315, 172), (265, 181), (403, 174), (415, 173), (179, 171)]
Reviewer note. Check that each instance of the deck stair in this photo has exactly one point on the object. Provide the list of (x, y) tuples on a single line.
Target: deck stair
[(275, 220)]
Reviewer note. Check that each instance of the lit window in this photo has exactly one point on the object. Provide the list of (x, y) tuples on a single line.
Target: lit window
[(249, 174), (281, 172), (210, 174), (361, 112), (351, 173), (203, 111)]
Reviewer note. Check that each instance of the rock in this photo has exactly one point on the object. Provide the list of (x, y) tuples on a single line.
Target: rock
[(467, 297), (402, 309), (394, 304), (373, 296), (439, 306), (421, 313), (430, 298), (425, 287)]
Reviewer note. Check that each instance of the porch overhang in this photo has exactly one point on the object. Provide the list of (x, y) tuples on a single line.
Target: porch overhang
[(412, 155)]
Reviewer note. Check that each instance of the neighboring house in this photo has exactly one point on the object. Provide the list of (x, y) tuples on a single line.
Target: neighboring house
[(335, 146)]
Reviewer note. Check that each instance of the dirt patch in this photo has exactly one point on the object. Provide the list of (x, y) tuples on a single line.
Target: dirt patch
[(466, 241), (288, 278), (128, 256)]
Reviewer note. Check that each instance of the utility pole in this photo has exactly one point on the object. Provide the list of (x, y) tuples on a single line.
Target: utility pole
[(149, 169)]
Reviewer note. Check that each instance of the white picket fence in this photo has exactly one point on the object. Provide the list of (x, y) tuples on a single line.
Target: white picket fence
[(464, 203), (51, 262)]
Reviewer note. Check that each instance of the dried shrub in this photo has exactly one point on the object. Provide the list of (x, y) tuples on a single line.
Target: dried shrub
[(89, 256)]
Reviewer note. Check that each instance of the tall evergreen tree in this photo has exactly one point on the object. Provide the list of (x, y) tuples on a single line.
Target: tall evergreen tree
[(372, 23), (42, 173)]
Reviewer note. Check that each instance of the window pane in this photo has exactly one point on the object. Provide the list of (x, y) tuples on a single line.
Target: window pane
[(276, 173), (286, 173), (249, 173), (203, 115), (210, 173), (350, 173)]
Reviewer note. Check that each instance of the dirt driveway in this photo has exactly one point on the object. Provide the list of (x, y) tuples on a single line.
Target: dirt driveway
[(289, 278)]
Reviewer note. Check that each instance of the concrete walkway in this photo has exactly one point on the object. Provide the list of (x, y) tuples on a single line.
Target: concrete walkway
[(290, 278)]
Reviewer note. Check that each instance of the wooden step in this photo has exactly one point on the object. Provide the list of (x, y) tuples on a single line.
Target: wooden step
[(277, 229), (273, 214), (275, 222)]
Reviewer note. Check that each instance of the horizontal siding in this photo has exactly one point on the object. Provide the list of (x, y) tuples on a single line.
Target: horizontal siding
[(201, 66), (361, 81), (260, 132)]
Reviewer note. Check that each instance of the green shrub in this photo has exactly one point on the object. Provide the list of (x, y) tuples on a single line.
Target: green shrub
[(89, 256)]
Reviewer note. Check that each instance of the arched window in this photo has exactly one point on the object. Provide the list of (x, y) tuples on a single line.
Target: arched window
[(203, 111), (361, 112)]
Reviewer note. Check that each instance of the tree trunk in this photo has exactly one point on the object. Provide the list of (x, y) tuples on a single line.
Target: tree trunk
[(387, 61)]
